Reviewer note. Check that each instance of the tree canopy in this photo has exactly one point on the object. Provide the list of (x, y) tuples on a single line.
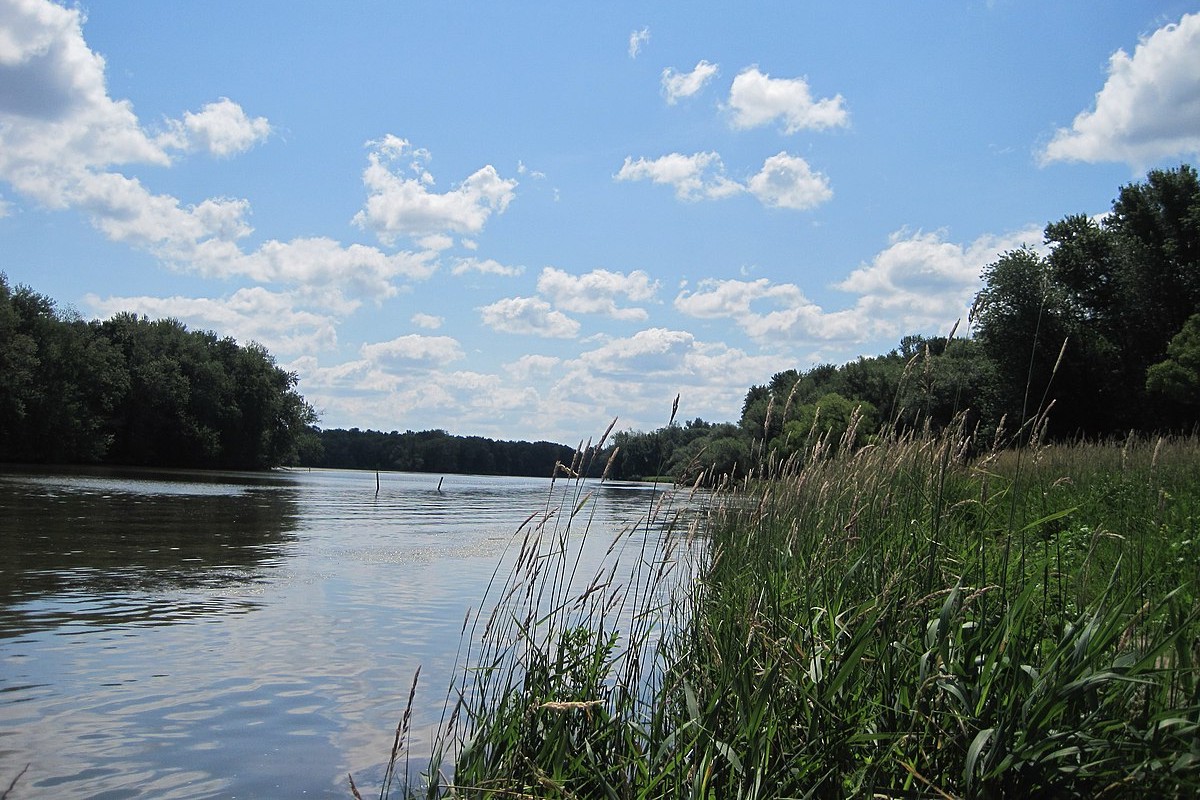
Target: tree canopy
[(130, 390)]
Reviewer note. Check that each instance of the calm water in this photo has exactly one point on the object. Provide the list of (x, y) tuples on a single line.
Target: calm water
[(180, 635)]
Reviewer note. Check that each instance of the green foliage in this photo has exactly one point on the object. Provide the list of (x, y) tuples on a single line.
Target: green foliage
[(1083, 325), (433, 451), (826, 421), (134, 391), (1176, 379), (889, 622)]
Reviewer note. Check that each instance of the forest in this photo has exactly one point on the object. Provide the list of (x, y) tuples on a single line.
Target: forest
[(1094, 335), (132, 391), (434, 451)]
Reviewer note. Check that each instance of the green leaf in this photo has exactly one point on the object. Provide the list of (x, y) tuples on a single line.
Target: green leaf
[(974, 752)]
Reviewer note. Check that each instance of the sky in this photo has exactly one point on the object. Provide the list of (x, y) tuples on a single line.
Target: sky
[(525, 220)]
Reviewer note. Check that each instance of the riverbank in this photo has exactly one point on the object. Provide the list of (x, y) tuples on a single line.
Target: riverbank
[(895, 621)]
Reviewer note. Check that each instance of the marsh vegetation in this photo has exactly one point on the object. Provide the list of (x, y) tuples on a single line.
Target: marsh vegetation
[(890, 620)]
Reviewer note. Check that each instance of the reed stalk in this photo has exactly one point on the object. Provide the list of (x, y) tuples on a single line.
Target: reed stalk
[(896, 620)]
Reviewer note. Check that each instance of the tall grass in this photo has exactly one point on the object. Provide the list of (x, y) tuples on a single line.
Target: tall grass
[(898, 620)]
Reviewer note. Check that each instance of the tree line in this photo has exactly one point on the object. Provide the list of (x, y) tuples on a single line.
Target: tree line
[(1094, 336), (135, 391), (434, 451)]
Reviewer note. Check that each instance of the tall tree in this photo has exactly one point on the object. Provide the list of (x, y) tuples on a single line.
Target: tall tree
[(1114, 291)]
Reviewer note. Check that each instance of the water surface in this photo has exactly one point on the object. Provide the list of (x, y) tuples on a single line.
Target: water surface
[(187, 635)]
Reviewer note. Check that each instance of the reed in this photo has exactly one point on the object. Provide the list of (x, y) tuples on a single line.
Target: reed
[(905, 619)]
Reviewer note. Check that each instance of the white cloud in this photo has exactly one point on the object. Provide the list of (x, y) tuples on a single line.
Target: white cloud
[(405, 206), (921, 280), (636, 379), (685, 84), (732, 299), (373, 397), (222, 128), (528, 315), (367, 271), (53, 100), (435, 241), (636, 41), (486, 266), (756, 99), (276, 320), (62, 136), (429, 322), (695, 177), (646, 352), (531, 366), (523, 169), (808, 323), (597, 292), (413, 352), (788, 313), (1148, 109), (787, 181)]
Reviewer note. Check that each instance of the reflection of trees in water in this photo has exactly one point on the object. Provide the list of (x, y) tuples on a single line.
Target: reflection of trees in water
[(92, 542)]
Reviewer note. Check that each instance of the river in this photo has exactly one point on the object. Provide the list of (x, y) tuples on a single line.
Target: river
[(251, 635)]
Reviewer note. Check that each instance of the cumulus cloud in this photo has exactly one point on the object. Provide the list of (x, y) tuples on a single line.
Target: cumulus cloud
[(528, 315), (756, 99), (435, 241), (637, 377), (1147, 110), (429, 322), (222, 128), (695, 177), (487, 266), (598, 291), (922, 280), (523, 169), (53, 99), (531, 366), (372, 395), (646, 352), (366, 271), (276, 320), (769, 311), (732, 298), (63, 141), (676, 85), (405, 205), (637, 40), (787, 181), (413, 352)]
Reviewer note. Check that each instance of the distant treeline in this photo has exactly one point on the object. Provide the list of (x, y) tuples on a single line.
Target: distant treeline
[(434, 451), (130, 390), (1098, 337)]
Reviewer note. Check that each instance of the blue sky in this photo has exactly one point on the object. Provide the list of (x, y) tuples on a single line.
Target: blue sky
[(521, 220)]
